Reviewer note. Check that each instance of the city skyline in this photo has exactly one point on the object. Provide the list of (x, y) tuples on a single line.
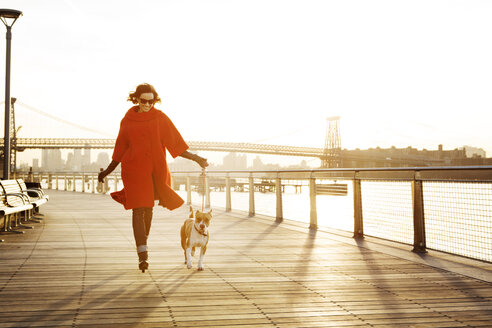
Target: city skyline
[(80, 159)]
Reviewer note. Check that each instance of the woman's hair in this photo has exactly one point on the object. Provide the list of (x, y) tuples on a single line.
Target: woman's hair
[(143, 88)]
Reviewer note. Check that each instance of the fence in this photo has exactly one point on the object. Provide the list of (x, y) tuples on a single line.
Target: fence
[(71, 181), (442, 208)]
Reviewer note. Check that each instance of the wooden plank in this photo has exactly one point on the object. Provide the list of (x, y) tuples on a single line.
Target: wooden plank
[(78, 268)]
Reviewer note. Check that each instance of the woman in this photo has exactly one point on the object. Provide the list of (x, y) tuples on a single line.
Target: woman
[(145, 135)]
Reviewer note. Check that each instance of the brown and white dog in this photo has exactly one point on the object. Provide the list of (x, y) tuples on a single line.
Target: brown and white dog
[(194, 233)]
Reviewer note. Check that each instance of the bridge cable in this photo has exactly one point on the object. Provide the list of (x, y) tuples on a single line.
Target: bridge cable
[(36, 110), (284, 134)]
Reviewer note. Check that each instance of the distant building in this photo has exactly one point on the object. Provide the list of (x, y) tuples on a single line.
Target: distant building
[(86, 159), (69, 162), (35, 164), (474, 151), (77, 160), (408, 157), (23, 167), (51, 160), (233, 161), (183, 164), (259, 165), (102, 160)]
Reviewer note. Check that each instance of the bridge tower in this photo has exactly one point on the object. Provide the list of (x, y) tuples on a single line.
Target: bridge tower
[(333, 144), (13, 137)]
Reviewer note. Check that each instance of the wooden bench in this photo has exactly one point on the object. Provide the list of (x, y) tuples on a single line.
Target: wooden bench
[(14, 194), (36, 196), (12, 205)]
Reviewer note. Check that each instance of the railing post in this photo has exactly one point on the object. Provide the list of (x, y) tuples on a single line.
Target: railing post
[(358, 218), (313, 217), (49, 181), (83, 182), (188, 190), (93, 184), (228, 193), (73, 183), (56, 181), (207, 192), (251, 195), (278, 192), (419, 245), (65, 179), (115, 183)]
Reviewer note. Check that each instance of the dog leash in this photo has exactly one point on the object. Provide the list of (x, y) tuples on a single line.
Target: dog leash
[(203, 190)]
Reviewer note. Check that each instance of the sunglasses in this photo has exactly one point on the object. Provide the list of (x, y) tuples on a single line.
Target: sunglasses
[(146, 101)]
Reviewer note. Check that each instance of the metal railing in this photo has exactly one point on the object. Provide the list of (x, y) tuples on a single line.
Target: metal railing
[(442, 208), (71, 181)]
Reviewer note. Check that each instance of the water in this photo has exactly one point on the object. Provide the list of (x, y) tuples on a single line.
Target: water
[(458, 215), (333, 211)]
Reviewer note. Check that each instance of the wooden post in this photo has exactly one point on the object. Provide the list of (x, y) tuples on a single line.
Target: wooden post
[(278, 192), (419, 245), (228, 193), (65, 179), (251, 196), (207, 192), (188, 190), (313, 218), (73, 183), (56, 181), (93, 184), (358, 219), (83, 182), (49, 181)]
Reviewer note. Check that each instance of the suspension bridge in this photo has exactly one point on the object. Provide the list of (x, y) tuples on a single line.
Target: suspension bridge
[(80, 143), (330, 157)]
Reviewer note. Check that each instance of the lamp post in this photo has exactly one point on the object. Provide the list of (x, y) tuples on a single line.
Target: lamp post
[(8, 17)]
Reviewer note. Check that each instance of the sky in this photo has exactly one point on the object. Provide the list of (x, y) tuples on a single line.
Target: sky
[(398, 73)]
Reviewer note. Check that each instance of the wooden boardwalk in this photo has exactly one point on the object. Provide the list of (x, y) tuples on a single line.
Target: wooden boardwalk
[(78, 268)]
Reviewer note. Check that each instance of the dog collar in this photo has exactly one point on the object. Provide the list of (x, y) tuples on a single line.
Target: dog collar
[(201, 233)]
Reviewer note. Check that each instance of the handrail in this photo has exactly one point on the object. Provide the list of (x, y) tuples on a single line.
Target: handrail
[(438, 173), (418, 168)]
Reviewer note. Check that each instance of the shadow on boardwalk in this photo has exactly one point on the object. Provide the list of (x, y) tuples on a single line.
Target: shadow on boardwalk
[(78, 268)]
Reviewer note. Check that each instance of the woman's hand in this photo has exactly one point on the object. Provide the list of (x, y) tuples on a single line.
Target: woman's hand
[(107, 171), (101, 176), (194, 157), (201, 161)]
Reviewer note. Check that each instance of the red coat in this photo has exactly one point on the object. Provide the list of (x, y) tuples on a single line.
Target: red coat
[(141, 148)]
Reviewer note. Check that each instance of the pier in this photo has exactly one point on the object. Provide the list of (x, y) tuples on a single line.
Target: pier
[(390, 228), (78, 268)]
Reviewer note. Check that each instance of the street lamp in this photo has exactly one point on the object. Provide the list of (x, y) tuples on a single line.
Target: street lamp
[(8, 17)]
